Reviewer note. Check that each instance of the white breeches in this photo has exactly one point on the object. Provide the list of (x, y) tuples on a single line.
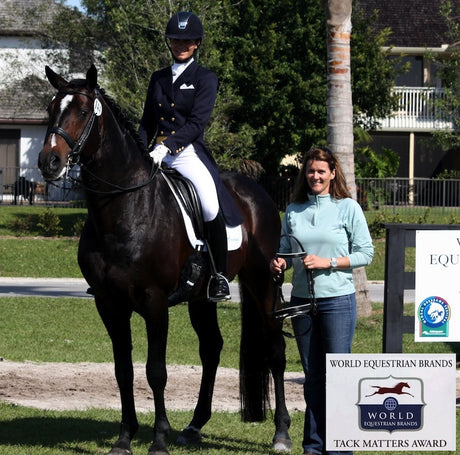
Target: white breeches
[(190, 166)]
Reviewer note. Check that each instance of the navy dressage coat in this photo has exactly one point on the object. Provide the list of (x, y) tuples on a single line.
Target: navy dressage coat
[(177, 115)]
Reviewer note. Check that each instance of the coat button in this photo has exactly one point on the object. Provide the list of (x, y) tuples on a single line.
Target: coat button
[(162, 118), (173, 119), (173, 132), (159, 104), (172, 104)]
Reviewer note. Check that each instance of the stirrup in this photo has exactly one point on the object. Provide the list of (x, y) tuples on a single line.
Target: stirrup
[(219, 281)]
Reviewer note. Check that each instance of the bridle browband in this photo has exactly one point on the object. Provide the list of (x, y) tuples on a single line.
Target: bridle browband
[(77, 146)]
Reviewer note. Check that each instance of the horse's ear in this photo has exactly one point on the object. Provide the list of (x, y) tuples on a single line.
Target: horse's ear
[(91, 77), (55, 80)]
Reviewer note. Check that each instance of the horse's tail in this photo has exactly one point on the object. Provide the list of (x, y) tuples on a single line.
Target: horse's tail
[(254, 363)]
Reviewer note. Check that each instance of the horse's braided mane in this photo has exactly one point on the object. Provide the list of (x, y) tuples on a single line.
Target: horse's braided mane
[(122, 118)]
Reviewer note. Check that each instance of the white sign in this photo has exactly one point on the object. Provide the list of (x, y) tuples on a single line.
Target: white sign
[(390, 402), (437, 285)]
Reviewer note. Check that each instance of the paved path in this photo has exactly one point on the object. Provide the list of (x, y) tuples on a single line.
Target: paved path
[(74, 287)]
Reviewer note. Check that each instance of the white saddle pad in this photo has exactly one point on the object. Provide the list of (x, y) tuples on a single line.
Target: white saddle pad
[(234, 234)]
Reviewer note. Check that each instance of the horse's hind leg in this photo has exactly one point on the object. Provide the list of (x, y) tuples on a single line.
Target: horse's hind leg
[(281, 439), (263, 336), (203, 316), (117, 323)]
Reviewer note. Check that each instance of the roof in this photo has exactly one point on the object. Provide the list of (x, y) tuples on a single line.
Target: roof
[(414, 23), (18, 16), (24, 101)]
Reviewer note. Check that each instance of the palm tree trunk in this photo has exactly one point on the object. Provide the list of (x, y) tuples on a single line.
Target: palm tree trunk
[(340, 113)]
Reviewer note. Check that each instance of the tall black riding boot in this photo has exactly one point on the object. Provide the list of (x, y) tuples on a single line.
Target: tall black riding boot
[(216, 236)]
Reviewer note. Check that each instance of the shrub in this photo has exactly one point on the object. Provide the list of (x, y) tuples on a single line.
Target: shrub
[(49, 223)]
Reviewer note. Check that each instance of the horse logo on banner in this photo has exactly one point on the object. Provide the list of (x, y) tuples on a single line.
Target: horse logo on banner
[(391, 404)]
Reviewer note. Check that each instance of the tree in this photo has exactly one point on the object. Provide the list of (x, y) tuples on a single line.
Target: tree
[(449, 71), (269, 55), (340, 112)]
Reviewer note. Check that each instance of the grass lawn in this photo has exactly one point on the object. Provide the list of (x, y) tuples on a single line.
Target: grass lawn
[(70, 330)]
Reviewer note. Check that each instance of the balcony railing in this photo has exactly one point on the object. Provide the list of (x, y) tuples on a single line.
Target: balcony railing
[(417, 110)]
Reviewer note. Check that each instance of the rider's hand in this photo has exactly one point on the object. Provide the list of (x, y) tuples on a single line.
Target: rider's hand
[(158, 153)]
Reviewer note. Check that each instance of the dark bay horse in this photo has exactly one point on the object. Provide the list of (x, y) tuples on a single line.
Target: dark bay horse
[(131, 253)]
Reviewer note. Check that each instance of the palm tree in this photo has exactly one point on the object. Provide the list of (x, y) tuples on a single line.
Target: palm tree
[(340, 112)]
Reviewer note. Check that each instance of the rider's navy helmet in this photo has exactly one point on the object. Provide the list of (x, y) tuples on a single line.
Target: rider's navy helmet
[(184, 25)]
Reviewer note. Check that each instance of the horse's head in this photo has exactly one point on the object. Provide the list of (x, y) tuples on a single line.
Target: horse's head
[(73, 123)]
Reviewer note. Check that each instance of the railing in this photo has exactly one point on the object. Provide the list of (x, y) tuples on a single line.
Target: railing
[(26, 185), (417, 110), (394, 195)]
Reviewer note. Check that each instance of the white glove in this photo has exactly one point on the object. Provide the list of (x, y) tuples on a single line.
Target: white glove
[(158, 153)]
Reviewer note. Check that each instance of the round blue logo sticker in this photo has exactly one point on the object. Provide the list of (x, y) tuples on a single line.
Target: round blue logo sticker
[(434, 312)]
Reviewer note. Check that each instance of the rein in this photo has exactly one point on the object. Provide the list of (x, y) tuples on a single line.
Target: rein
[(294, 311), (78, 145)]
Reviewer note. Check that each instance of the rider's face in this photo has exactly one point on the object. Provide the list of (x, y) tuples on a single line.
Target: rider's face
[(183, 49)]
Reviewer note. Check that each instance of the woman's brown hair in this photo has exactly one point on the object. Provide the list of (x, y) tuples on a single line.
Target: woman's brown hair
[(338, 188)]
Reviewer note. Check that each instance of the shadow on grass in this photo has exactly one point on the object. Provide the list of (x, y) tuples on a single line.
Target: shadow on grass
[(85, 435)]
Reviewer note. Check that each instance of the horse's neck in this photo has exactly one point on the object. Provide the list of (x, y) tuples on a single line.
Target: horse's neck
[(119, 160)]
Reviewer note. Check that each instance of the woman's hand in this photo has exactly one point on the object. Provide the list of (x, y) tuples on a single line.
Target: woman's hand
[(315, 262), (278, 265)]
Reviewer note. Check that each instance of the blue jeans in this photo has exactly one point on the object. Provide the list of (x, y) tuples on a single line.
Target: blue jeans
[(330, 330)]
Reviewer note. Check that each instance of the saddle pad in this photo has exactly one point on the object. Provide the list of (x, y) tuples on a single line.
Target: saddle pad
[(234, 234)]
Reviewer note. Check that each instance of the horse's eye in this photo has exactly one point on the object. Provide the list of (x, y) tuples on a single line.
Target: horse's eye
[(83, 113)]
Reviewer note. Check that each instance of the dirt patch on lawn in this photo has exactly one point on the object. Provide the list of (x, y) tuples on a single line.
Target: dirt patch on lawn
[(67, 386)]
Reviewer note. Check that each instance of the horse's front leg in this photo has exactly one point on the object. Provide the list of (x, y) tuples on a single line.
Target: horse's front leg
[(156, 320), (117, 323), (203, 316)]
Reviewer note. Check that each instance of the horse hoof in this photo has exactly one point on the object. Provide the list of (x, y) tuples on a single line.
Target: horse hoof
[(189, 436), (282, 445), (118, 451), (153, 450)]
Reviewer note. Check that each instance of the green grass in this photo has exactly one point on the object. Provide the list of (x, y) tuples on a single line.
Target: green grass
[(69, 330), (23, 256), (31, 431), (24, 220), (39, 257)]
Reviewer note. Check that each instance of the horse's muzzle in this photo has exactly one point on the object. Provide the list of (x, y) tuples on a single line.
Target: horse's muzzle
[(51, 165)]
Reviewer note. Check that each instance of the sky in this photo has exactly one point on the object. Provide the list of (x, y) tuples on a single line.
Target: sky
[(72, 3)]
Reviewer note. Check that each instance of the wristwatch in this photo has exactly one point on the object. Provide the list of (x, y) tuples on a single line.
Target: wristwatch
[(334, 263)]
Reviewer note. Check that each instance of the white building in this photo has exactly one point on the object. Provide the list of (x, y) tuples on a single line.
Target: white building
[(24, 92)]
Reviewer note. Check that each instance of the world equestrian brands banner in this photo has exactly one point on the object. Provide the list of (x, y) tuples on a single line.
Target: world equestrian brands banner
[(437, 285), (390, 402)]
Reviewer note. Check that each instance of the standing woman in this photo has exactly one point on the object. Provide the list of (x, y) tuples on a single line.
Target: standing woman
[(179, 103), (333, 231)]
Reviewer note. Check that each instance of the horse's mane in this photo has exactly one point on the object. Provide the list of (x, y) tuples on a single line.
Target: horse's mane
[(120, 115)]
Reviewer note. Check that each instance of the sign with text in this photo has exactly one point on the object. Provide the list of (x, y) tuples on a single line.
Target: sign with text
[(437, 285), (390, 402)]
